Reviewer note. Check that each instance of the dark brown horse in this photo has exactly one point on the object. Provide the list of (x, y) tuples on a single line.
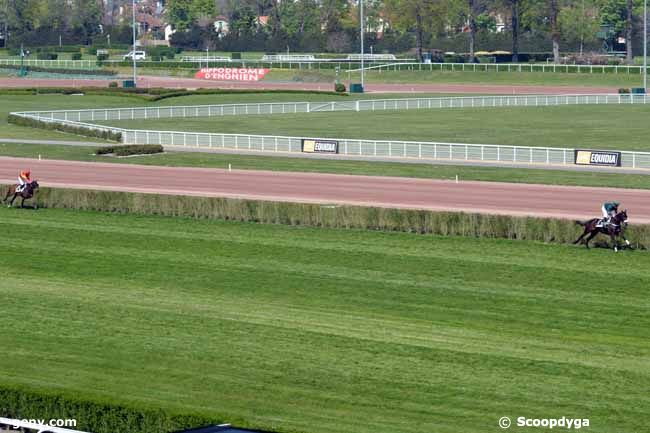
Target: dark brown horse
[(27, 192), (614, 229)]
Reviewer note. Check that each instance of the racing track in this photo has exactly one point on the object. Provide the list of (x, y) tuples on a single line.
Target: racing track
[(438, 195), (146, 81)]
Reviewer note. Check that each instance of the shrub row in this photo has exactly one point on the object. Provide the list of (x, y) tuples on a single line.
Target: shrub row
[(314, 215), (72, 129), (153, 94), (131, 149), (96, 416), (67, 71)]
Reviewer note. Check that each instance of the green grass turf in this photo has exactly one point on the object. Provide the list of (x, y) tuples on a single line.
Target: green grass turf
[(590, 126), (371, 168), (449, 77), (322, 330)]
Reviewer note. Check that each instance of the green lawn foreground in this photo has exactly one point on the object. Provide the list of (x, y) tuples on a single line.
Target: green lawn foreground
[(616, 127), (338, 331), (367, 168)]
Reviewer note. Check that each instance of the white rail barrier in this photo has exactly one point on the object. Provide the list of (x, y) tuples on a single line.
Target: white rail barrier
[(505, 67), (138, 113), (54, 64), (356, 147)]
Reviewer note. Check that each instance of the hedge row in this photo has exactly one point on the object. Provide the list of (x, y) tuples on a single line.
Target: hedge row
[(95, 416), (314, 215), (131, 149), (66, 71), (72, 129), (153, 94)]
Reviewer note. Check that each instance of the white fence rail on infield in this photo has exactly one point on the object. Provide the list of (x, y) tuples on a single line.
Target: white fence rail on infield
[(352, 147), (505, 67), (143, 113)]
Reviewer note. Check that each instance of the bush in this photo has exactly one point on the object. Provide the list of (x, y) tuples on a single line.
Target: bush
[(72, 129), (96, 416), (76, 56), (47, 56), (113, 84), (129, 150), (624, 91), (235, 56), (339, 88)]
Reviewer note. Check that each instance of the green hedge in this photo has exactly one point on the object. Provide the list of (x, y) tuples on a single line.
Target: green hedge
[(67, 71), (131, 149), (314, 215), (95, 416), (153, 94), (72, 129)]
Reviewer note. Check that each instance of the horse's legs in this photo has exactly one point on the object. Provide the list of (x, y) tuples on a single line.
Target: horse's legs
[(11, 203), (22, 203), (581, 236), (612, 235), (591, 236)]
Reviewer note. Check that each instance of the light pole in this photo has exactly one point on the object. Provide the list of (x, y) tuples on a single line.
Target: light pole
[(361, 25), (133, 57), (645, 45)]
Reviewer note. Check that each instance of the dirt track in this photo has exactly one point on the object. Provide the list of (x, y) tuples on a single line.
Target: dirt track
[(172, 82), (484, 197)]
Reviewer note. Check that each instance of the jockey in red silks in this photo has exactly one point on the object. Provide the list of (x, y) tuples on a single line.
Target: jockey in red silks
[(23, 179)]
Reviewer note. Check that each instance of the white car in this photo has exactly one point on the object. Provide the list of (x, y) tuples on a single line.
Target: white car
[(136, 55)]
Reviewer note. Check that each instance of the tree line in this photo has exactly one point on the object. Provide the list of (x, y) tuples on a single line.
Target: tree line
[(467, 26)]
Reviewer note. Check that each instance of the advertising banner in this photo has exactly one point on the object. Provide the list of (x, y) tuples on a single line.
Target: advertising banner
[(320, 146), (232, 74), (597, 157)]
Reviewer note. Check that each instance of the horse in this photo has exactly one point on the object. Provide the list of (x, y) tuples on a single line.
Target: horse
[(26, 193), (615, 228)]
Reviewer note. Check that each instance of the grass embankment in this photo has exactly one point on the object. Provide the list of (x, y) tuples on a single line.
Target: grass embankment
[(368, 168), (318, 330), (589, 126)]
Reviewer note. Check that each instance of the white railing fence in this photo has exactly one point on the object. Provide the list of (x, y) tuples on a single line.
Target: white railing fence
[(54, 64), (163, 112), (505, 67), (367, 148)]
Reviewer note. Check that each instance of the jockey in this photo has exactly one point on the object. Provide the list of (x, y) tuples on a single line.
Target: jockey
[(23, 179), (609, 209)]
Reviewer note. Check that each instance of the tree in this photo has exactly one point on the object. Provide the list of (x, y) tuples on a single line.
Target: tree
[(555, 29), (628, 32), (471, 24), (179, 14), (421, 16), (579, 23)]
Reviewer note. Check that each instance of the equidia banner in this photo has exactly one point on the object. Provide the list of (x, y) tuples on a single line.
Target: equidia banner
[(231, 74), (320, 146), (597, 157)]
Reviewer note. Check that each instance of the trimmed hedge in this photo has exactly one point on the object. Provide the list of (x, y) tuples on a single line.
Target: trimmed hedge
[(96, 416), (131, 149), (153, 94), (52, 126), (67, 71), (314, 215)]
